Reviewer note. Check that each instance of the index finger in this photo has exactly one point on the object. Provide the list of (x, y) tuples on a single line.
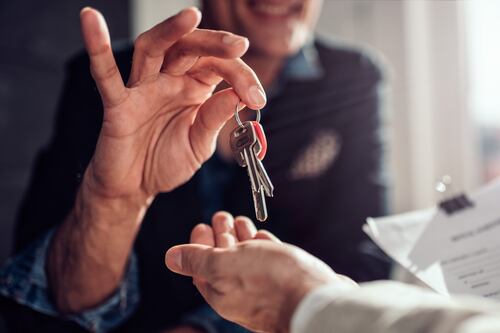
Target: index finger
[(202, 234), (202, 43), (237, 73), (150, 46)]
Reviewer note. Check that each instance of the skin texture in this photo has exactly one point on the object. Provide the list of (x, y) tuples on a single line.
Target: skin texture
[(249, 276), (166, 109)]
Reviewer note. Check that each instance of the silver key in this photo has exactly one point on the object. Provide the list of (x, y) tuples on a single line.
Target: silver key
[(243, 141), (259, 192), (240, 138), (259, 202), (264, 178)]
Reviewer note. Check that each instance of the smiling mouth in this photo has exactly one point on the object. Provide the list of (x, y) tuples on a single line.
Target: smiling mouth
[(271, 9)]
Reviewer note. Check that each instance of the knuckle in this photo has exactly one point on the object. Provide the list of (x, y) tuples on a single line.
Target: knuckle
[(207, 63), (144, 45), (101, 50), (172, 29), (231, 51), (228, 52), (141, 41), (189, 262), (110, 72), (105, 74)]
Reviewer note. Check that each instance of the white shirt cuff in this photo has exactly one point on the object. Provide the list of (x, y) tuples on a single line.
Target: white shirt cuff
[(315, 301)]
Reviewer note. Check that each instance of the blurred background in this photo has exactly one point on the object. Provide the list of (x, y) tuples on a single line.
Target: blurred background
[(442, 111)]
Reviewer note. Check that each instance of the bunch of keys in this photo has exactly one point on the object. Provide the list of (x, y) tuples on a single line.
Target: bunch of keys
[(249, 145)]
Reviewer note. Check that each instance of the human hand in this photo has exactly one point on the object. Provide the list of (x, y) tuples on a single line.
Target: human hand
[(256, 283), (159, 128), (226, 231)]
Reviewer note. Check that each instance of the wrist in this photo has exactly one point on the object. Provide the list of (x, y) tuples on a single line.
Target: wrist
[(92, 205), (294, 296)]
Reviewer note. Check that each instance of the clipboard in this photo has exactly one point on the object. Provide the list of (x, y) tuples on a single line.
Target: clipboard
[(455, 203), (453, 247)]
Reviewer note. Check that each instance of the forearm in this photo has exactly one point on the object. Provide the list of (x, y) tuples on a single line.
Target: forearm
[(90, 250)]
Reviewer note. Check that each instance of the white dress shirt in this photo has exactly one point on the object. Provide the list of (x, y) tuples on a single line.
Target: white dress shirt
[(391, 307)]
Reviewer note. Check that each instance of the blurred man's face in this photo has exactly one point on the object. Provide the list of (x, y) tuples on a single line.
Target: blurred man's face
[(274, 27)]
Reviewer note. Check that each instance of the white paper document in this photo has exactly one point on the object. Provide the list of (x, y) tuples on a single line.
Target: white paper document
[(453, 253)]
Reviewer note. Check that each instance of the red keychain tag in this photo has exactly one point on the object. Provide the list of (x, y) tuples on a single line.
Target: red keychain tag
[(259, 131)]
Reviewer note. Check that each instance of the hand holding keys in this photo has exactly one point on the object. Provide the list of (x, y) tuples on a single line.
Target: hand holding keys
[(249, 145)]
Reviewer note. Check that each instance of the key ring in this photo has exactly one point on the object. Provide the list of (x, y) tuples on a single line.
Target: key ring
[(237, 117)]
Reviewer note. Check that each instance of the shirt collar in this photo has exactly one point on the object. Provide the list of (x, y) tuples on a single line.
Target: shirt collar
[(304, 65)]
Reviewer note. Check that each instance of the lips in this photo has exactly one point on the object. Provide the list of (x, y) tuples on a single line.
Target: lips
[(275, 9)]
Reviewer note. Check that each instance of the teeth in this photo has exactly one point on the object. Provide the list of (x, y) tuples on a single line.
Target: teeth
[(271, 9)]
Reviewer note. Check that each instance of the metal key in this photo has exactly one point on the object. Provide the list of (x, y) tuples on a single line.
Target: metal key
[(259, 154), (265, 187), (259, 192), (249, 145), (264, 178), (241, 137), (243, 141)]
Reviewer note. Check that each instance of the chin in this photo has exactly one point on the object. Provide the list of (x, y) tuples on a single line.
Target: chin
[(273, 11), (274, 27), (276, 51), (280, 46)]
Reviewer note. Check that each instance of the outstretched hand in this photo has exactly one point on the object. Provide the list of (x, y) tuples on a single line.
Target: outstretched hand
[(249, 276), (162, 125)]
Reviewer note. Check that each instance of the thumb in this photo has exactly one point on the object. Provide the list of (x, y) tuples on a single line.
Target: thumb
[(190, 259), (210, 118)]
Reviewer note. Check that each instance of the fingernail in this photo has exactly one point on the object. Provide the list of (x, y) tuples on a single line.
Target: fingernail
[(222, 222), (196, 9), (174, 260), (231, 39), (193, 8), (257, 96), (85, 9)]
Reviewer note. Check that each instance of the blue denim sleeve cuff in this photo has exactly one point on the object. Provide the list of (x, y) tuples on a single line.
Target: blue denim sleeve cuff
[(207, 320), (23, 279)]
